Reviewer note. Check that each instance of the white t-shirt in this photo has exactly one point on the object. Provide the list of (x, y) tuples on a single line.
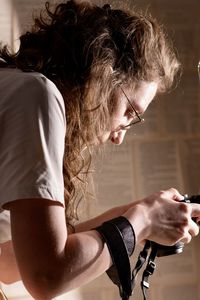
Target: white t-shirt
[(32, 124), (32, 134)]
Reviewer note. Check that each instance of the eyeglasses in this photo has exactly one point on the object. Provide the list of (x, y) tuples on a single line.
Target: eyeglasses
[(134, 114)]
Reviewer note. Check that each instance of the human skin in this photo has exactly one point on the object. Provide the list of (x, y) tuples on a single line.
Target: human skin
[(52, 262), (9, 272), (140, 98)]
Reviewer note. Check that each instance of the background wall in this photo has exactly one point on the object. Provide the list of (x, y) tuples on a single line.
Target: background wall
[(163, 152)]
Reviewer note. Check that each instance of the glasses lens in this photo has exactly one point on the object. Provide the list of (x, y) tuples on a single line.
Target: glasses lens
[(134, 113)]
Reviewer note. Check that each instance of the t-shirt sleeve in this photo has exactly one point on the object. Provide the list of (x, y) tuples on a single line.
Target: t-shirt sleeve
[(32, 142)]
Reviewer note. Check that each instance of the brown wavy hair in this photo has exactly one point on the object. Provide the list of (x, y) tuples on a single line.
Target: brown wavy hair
[(87, 51)]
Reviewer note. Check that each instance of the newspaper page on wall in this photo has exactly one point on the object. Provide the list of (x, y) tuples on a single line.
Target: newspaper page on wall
[(163, 152)]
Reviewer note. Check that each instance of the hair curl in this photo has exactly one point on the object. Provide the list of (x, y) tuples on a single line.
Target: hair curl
[(87, 51)]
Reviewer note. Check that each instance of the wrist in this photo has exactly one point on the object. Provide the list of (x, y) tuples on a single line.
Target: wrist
[(138, 217)]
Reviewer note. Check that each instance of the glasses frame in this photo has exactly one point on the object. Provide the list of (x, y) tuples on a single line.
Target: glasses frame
[(134, 114)]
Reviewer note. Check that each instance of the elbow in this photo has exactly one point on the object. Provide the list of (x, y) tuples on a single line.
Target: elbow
[(46, 286)]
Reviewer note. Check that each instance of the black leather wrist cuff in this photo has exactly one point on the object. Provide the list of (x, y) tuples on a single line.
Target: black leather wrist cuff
[(127, 232), (120, 239)]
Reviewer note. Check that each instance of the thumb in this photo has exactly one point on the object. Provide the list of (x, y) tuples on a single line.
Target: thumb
[(174, 194)]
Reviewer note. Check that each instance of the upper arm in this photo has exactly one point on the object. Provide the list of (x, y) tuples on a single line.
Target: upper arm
[(39, 237), (32, 120)]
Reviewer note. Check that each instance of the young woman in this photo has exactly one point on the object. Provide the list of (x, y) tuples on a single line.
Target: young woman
[(81, 77)]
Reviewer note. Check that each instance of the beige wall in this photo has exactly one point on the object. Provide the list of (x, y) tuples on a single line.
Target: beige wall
[(164, 152)]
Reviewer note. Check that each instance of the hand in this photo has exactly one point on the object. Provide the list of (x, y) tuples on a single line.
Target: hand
[(162, 218)]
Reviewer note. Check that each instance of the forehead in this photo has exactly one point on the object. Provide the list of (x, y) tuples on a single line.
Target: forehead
[(143, 89), (140, 86), (139, 95), (142, 95)]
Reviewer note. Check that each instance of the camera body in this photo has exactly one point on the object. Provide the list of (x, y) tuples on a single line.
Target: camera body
[(162, 250)]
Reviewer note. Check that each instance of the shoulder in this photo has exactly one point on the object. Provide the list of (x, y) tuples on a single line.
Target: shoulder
[(41, 83), (43, 90), (38, 85), (32, 83), (31, 91)]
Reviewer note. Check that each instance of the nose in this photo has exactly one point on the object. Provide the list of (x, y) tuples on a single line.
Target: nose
[(118, 137)]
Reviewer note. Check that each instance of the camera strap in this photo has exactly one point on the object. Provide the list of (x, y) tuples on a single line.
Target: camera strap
[(120, 272), (149, 270), (150, 267), (131, 280), (117, 239), (140, 262)]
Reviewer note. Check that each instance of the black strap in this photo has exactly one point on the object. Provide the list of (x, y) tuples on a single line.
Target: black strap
[(149, 270), (120, 239), (127, 232), (140, 262), (120, 272)]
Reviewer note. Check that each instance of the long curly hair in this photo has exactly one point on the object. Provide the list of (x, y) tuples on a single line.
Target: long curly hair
[(87, 51)]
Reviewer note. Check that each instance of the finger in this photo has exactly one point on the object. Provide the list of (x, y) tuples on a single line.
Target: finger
[(195, 213), (187, 239), (197, 220), (173, 194), (193, 228)]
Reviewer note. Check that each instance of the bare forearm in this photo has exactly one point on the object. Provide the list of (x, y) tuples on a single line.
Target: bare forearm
[(8, 268), (84, 258), (88, 257), (97, 221), (53, 262)]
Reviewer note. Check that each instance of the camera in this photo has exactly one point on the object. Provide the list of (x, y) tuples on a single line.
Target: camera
[(162, 250), (159, 251)]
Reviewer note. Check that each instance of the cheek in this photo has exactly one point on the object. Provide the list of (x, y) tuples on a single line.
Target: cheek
[(115, 124), (118, 118)]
